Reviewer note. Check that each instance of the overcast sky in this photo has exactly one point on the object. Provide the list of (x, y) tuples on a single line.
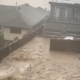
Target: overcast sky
[(35, 3)]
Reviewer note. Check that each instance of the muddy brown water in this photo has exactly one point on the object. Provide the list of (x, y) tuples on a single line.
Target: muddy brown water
[(34, 61)]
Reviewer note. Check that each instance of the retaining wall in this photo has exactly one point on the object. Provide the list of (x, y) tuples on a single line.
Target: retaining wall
[(65, 45)]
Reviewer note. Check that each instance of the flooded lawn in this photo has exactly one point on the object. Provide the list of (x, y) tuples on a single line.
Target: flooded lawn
[(34, 61)]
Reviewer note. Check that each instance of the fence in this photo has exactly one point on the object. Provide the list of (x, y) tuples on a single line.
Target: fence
[(65, 45), (15, 45)]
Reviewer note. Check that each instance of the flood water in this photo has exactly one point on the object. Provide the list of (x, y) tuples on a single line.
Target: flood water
[(34, 61)]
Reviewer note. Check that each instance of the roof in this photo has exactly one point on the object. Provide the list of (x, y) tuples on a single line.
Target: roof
[(12, 18), (64, 4), (33, 16), (24, 16), (67, 1), (43, 11), (4, 8)]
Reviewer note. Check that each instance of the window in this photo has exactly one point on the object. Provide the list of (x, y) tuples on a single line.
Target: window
[(61, 12), (15, 30), (57, 13), (76, 13)]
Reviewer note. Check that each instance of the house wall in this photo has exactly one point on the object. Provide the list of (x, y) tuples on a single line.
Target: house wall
[(60, 27), (11, 36), (69, 19)]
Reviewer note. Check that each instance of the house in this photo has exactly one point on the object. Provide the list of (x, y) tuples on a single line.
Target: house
[(64, 20), (15, 21)]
